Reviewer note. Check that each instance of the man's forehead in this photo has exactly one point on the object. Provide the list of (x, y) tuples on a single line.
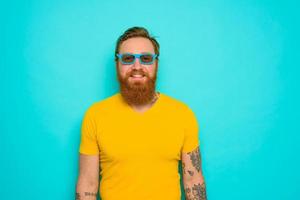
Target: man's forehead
[(137, 45)]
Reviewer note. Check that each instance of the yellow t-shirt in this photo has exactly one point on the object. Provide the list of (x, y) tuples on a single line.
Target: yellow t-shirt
[(139, 152)]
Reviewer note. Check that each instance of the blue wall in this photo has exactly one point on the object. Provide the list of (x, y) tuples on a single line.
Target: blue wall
[(236, 63)]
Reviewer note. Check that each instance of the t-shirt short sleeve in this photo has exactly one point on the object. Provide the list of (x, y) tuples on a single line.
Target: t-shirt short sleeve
[(191, 129), (88, 141)]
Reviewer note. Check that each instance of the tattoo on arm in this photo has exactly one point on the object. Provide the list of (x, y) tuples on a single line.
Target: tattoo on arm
[(191, 173), (90, 194), (196, 159), (183, 167), (79, 196), (196, 192)]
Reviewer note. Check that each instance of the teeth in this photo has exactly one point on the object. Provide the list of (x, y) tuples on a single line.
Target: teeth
[(137, 75)]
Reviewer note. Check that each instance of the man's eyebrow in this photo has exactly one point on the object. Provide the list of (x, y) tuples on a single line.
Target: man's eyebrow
[(148, 52), (144, 52)]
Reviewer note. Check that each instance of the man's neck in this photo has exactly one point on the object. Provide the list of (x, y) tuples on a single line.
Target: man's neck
[(143, 108)]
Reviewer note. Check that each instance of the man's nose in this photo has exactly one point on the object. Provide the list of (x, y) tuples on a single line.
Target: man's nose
[(137, 63)]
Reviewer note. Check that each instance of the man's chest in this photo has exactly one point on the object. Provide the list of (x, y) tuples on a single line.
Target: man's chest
[(140, 139)]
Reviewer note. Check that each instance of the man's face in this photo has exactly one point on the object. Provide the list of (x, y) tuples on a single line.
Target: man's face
[(137, 81)]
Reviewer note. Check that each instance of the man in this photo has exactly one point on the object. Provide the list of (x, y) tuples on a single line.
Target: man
[(136, 138)]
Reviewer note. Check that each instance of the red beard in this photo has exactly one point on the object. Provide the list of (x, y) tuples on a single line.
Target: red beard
[(137, 92)]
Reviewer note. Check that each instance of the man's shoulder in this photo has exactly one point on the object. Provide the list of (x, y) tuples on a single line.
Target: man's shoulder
[(176, 103), (179, 108)]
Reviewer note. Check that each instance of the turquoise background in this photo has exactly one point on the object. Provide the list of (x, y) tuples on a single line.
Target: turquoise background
[(235, 63)]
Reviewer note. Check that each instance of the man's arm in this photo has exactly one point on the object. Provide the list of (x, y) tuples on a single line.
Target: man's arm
[(88, 180), (193, 179)]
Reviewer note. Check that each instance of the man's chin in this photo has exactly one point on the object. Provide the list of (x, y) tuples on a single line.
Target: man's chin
[(137, 91)]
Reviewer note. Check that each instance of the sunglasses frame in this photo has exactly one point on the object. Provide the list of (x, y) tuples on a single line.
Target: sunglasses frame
[(154, 56)]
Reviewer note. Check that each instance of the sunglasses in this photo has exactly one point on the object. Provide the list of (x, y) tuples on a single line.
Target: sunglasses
[(129, 58)]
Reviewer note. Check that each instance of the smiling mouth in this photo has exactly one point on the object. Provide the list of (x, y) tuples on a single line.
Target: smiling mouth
[(137, 76)]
